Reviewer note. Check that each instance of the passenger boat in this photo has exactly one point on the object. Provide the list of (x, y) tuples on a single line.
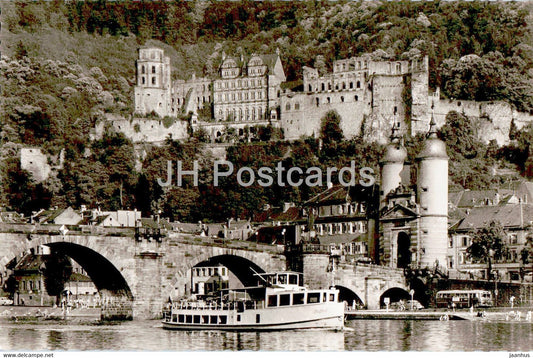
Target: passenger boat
[(278, 302)]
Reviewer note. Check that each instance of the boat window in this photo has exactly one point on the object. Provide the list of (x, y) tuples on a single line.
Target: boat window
[(175, 318), (257, 318), (284, 300), (272, 301), (332, 297), (205, 319), (313, 297), (196, 319), (282, 279), (214, 319), (238, 318), (181, 318), (293, 279), (188, 319), (223, 319), (298, 299), (324, 297)]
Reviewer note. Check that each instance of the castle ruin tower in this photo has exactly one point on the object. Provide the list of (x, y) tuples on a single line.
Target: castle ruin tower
[(432, 197), (392, 164), (152, 91)]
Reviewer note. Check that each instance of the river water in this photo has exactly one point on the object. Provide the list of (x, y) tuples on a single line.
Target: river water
[(363, 335)]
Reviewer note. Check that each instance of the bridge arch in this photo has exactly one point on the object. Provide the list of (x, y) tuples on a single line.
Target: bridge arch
[(102, 272), (244, 269), (110, 272), (348, 295), (395, 294)]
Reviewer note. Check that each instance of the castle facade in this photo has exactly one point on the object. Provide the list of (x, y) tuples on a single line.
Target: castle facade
[(370, 96)]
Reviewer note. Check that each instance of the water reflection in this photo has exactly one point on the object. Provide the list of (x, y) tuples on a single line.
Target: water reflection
[(365, 335)]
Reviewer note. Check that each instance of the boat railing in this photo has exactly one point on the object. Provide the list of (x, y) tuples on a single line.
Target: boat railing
[(232, 305)]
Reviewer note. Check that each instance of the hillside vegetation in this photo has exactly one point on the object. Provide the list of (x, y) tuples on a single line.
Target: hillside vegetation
[(65, 64)]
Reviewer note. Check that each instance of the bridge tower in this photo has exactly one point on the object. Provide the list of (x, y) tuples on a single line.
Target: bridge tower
[(432, 197), (153, 88), (392, 165)]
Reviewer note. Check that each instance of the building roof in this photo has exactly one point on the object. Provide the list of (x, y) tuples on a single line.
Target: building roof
[(30, 262), (508, 215), (335, 194), (292, 214)]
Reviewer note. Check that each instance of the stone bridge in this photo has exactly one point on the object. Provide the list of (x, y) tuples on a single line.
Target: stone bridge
[(135, 274)]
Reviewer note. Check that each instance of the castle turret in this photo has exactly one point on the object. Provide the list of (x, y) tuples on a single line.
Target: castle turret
[(392, 164), (432, 194), (152, 91)]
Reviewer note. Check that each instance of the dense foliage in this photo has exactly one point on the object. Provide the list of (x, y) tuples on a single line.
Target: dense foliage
[(65, 65)]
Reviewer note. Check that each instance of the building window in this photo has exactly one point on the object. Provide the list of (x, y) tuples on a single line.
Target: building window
[(358, 84), (297, 106), (356, 98), (143, 81), (153, 80), (342, 98), (142, 69), (323, 87), (288, 107)]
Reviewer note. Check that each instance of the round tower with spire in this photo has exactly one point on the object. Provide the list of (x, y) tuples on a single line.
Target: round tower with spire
[(432, 197), (392, 164)]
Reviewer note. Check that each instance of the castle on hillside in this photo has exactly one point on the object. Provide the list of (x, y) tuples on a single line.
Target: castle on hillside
[(370, 96), (246, 92)]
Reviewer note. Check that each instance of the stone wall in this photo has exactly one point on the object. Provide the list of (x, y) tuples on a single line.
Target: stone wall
[(145, 130), (36, 162), (300, 115)]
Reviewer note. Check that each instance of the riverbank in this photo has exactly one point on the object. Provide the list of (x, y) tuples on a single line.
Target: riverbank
[(36, 312)]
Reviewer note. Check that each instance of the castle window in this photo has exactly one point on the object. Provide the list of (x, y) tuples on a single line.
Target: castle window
[(297, 106), (142, 69), (351, 85), (310, 88), (395, 110), (358, 84), (143, 80), (317, 101), (344, 85), (323, 87), (337, 86), (356, 98), (288, 107), (153, 69), (153, 80), (329, 100), (342, 98)]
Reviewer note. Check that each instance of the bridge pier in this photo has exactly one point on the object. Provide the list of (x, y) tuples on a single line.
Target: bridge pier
[(116, 305)]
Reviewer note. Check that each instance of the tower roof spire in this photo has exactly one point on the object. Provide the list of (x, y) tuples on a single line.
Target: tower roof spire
[(432, 133)]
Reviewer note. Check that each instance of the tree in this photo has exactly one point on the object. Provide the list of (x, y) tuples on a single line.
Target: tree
[(330, 130), (57, 271), (488, 242)]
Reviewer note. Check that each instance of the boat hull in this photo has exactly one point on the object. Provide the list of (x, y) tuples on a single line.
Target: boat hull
[(328, 316), (332, 323)]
